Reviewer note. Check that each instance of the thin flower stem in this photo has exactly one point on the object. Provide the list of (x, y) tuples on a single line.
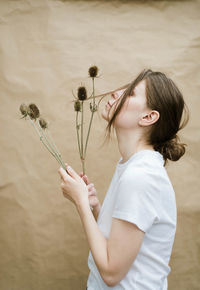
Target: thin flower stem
[(110, 92), (93, 91), (53, 153), (90, 118), (82, 129), (83, 165), (77, 131), (50, 143), (53, 143), (88, 134), (34, 126), (41, 137), (48, 148), (56, 154)]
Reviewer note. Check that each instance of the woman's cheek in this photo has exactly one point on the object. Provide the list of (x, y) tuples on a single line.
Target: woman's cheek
[(126, 120)]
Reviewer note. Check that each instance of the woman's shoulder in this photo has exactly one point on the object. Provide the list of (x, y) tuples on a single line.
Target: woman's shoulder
[(145, 173), (135, 175)]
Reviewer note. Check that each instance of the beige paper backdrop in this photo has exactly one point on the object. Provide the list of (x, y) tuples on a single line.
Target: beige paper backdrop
[(46, 48)]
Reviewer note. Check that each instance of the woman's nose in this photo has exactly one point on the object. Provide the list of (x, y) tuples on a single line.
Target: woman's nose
[(113, 99)]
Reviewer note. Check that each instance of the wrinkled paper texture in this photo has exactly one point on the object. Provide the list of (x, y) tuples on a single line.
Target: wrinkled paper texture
[(46, 48)]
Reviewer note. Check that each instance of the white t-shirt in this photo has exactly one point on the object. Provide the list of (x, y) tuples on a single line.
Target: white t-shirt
[(141, 193)]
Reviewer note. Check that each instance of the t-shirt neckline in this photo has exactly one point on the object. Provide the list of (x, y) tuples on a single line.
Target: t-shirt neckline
[(139, 154)]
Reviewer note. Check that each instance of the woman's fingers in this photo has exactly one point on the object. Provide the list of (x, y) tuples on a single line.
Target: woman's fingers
[(84, 177), (63, 174), (92, 192), (89, 186)]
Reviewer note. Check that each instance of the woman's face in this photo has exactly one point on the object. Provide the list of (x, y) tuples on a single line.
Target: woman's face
[(133, 109)]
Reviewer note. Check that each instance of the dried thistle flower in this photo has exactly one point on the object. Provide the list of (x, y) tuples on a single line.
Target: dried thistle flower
[(33, 111), (93, 71), (24, 110), (43, 123), (77, 106), (93, 108), (82, 93)]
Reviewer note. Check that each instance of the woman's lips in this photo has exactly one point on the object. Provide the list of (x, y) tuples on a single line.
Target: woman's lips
[(108, 106)]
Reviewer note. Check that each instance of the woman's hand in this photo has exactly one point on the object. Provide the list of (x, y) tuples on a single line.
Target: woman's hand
[(73, 186), (92, 193)]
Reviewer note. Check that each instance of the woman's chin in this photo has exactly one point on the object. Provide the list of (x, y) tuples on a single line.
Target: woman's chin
[(104, 114)]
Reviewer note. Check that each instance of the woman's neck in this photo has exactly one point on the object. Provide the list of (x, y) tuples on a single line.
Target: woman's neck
[(129, 144)]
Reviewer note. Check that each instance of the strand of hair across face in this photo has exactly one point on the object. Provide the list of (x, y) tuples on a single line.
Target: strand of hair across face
[(110, 92)]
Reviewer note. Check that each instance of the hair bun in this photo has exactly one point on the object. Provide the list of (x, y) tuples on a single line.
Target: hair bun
[(171, 149)]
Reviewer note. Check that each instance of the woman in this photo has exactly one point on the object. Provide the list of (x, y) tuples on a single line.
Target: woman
[(132, 240)]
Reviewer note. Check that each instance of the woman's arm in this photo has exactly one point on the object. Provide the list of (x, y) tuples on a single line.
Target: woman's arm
[(114, 256), (96, 211), (97, 241), (92, 196)]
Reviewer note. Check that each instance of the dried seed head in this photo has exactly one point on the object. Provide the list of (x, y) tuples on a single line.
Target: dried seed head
[(24, 110), (93, 71), (93, 108), (82, 93), (33, 111), (77, 106), (43, 123)]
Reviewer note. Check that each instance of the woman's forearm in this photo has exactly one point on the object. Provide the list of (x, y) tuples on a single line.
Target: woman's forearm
[(96, 211), (97, 241)]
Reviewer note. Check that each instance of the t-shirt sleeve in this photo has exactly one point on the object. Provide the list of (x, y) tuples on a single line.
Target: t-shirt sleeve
[(137, 199)]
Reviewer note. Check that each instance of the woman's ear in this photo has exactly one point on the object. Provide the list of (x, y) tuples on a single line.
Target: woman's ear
[(149, 119)]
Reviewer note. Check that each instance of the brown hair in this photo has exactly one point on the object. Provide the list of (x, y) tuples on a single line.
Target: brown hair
[(163, 96)]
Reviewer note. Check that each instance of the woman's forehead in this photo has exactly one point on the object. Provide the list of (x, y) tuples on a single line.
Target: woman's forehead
[(140, 88)]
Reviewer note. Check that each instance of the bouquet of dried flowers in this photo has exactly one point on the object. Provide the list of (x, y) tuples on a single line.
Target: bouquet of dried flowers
[(32, 113), (79, 109)]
